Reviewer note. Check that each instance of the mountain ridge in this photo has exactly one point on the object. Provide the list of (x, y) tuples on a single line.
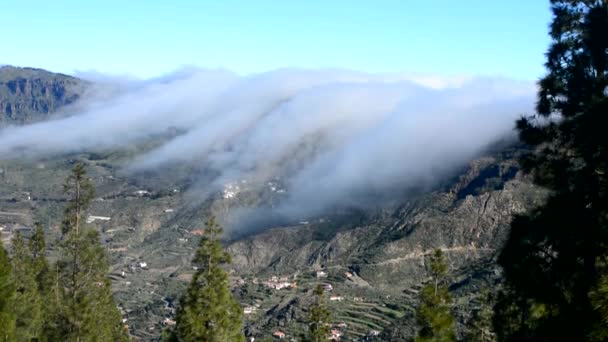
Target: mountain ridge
[(29, 95)]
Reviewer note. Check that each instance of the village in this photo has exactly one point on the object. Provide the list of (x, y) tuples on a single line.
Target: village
[(355, 314), (354, 317)]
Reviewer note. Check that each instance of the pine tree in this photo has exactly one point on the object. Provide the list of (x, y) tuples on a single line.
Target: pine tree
[(7, 293), (80, 191), (27, 302), (599, 302), (40, 264), (434, 317), (42, 275), (318, 318), (438, 267), (555, 255), (479, 326), (208, 311), (82, 300)]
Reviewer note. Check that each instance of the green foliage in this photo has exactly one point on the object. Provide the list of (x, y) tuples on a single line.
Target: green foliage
[(551, 257), (7, 293), (82, 305), (479, 327), (318, 317), (438, 266), (86, 308), (434, 317), (208, 311), (599, 302), (40, 265), (27, 303), (80, 190)]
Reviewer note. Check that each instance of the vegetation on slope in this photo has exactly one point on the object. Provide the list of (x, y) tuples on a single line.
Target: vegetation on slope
[(555, 257)]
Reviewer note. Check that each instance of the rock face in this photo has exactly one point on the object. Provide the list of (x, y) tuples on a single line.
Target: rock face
[(28, 95)]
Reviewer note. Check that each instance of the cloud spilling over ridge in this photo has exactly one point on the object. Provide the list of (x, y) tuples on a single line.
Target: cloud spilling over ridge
[(332, 135)]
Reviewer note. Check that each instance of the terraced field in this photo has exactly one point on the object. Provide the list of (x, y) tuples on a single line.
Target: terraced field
[(363, 317)]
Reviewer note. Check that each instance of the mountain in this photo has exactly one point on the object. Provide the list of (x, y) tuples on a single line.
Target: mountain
[(28, 95), (373, 258), (384, 251)]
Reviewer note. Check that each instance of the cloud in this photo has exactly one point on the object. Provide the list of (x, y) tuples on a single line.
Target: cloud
[(331, 136)]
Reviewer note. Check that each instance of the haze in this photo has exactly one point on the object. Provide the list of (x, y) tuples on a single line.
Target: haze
[(333, 136)]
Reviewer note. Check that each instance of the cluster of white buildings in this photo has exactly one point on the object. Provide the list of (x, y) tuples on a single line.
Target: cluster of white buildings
[(91, 218), (231, 190), (275, 187), (279, 283), (248, 310), (336, 298)]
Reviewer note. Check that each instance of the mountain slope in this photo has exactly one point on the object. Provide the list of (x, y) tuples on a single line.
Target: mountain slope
[(29, 95), (385, 251)]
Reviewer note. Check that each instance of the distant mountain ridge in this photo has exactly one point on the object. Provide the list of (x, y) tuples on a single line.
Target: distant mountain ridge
[(29, 95)]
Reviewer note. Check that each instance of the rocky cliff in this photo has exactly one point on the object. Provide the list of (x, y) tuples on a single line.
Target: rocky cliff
[(28, 95)]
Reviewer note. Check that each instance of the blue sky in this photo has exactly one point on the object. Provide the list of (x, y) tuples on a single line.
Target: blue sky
[(149, 38)]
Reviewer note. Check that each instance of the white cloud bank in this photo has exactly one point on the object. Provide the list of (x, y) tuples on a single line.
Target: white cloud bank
[(333, 135)]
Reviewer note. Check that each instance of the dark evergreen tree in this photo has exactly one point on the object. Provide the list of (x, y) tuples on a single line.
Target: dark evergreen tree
[(208, 311), (556, 254), (7, 293), (438, 267), (83, 307), (80, 192), (40, 264), (434, 314), (479, 327), (27, 303), (318, 317)]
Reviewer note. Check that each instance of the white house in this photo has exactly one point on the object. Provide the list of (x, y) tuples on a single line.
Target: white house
[(91, 218), (249, 310)]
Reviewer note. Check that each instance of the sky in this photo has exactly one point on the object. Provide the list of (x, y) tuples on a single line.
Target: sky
[(149, 38)]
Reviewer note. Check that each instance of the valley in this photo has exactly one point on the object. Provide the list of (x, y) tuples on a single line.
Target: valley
[(372, 260)]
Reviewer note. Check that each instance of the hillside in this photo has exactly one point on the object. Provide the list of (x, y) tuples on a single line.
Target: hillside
[(28, 95), (374, 258), (385, 251)]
